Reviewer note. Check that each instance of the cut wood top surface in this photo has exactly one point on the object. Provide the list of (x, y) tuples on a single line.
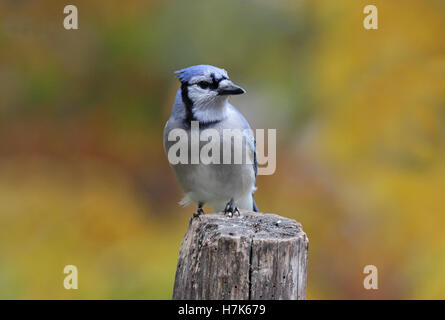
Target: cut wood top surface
[(251, 224)]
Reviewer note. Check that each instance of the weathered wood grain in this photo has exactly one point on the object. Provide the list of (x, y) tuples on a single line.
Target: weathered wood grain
[(247, 257)]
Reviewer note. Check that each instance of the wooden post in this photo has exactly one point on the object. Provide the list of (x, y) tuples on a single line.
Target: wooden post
[(248, 257)]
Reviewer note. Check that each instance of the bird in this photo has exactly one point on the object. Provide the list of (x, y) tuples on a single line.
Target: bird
[(203, 98)]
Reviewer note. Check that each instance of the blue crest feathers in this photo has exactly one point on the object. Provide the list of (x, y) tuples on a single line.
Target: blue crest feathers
[(184, 75)]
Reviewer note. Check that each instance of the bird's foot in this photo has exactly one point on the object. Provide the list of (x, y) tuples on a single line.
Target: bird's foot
[(231, 209), (197, 213)]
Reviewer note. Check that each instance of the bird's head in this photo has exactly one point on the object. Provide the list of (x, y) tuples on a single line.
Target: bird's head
[(204, 86)]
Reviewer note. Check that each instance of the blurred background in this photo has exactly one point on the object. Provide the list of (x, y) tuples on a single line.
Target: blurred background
[(360, 119)]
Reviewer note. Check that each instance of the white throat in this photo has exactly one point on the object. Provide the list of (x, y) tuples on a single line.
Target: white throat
[(211, 111)]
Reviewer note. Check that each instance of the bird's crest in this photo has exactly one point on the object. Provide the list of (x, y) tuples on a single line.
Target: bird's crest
[(184, 75)]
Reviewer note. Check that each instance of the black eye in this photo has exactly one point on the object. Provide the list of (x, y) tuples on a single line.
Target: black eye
[(203, 84)]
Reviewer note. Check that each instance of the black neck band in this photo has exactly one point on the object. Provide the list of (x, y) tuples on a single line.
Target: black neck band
[(189, 116)]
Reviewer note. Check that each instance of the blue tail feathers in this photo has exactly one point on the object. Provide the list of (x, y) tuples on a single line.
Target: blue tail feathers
[(255, 208)]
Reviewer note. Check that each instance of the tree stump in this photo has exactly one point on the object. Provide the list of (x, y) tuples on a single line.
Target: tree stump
[(248, 257)]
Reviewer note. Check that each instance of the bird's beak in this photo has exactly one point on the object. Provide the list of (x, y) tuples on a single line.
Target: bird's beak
[(227, 87)]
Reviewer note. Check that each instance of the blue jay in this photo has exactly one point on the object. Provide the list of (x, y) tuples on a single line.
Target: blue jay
[(204, 97)]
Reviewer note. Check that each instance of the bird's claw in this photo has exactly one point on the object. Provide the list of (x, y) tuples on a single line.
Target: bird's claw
[(197, 214), (231, 209)]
